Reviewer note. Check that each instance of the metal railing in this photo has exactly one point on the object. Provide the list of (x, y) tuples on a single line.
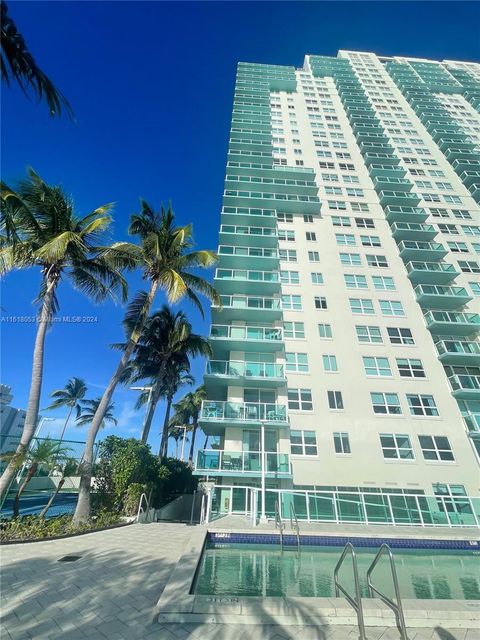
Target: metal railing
[(396, 607), (294, 526), (243, 411), (279, 523), (143, 513), (357, 601)]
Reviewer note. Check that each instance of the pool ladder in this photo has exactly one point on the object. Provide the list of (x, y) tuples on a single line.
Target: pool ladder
[(357, 601), (294, 526), (279, 523)]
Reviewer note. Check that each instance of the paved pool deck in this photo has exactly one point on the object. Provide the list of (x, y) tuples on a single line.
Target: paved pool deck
[(113, 589)]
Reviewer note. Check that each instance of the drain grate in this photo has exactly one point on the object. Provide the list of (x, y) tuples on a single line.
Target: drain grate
[(69, 558)]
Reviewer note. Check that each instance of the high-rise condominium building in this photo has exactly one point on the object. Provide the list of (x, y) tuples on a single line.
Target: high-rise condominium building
[(346, 365)]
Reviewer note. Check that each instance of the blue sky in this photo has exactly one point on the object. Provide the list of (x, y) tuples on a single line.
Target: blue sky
[(151, 85)]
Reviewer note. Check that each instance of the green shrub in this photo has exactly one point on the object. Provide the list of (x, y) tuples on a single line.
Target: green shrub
[(35, 528), (174, 478), (132, 498)]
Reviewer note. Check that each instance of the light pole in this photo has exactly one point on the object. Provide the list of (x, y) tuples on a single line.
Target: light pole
[(263, 517), (149, 389), (183, 442)]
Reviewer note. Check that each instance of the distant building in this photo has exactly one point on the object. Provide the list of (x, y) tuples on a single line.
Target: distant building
[(11, 419)]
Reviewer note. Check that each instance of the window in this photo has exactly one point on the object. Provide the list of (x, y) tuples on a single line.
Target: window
[(376, 261), (325, 330), (303, 443), (287, 255), (361, 305), (329, 363), (307, 217), (375, 366), (286, 234), (341, 442), (469, 266), (383, 283), (370, 241), (400, 335), (340, 221), (470, 230), (317, 278), (292, 303), (296, 362), (336, 204), (320, 302), (457, 247), (310, 235), (369, 334), (386, 404), (314, 256), (475, 287), (391, 308), (396, 446), (422, 405), (353, 281), (335, 400), (436, 448), (285, 217), (350, 259), (289, 277), (294, 330), (300, 400), (410, 368), (344, 239)]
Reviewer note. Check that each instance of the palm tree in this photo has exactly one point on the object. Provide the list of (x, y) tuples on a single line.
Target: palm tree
[(39, 227), (89, 409), (162, 354), (68, 467), (167, 262), (69, 396), (176, 433), (174, 379), (187, 411), (44, 453), (17, 63)]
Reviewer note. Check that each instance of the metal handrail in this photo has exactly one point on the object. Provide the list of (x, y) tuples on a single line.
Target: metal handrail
[(293, 518), (356, 604), (279, 523), (396, 607), (140, 508)]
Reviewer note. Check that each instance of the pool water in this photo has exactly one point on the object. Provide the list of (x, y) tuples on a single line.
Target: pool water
[(263, 570)]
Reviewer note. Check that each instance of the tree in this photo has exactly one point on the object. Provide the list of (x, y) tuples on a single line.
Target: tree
[(69, 467), (70, 396), (187, 411), (176, 433), (40, 227), (174, 379), (17, 63), (44, 453), (162, 354), (167, 262), (89, 409)]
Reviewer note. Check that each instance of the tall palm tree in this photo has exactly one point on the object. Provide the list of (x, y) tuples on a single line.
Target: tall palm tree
[(70, 397), (174, 379), (176, 433), (187, 411), (89, 409), (17, 63), (39, 227), (167, 262), (163, 354)]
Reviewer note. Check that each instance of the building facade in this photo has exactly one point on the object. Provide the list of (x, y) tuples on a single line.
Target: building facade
[(346, 366), (11, 420)]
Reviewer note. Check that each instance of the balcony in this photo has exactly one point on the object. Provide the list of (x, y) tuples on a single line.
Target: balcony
[(380, 158), (452, 323), (247, 282), (458, 352), (466, 165), (240, 373), (371, 136), (261, 258), (280, 201), (398, 198), (385, 171), (475, 191), (470, 177), (244, 414), (413, 231), (249, 216), (455, 152), (365, 127), (213, 462), (418, 250), (465, 387), (282, 185), (266, 237), (395, 213), (433, 296), (381, 183), (247, 338), (467, 144), (431, 272), (376, 147), (248, 308)]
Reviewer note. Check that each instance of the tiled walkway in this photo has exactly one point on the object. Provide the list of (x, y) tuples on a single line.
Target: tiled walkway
[(111, 592)]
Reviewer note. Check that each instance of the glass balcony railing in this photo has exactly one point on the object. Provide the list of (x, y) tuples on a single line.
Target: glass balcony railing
[(452, 322), (465, 386), (395, 213), (441, 297), (251, 412), (395, 184), (431, 272), (428, 251), (241, 369), (266, 334), (237, 252), (253, 303), (413, 230), (210, 460), (454, 351), (244, 274)]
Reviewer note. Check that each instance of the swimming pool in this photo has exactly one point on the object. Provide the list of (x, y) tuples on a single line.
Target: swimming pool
[(263, 570)]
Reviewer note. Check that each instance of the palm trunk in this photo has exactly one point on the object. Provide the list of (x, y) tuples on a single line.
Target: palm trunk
[(82, 511), (192, 444), (206, 442), (152, 405), (43, 512), (164, 441), (31, 418), (176, 448), (65, 425), (30, 473)]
